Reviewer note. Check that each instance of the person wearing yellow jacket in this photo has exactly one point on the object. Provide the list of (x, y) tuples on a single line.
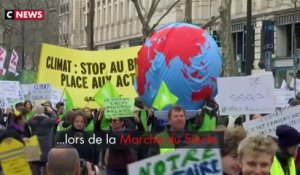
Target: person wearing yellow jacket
[(288, 141)]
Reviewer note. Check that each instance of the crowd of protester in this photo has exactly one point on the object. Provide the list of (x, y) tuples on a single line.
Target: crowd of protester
[(241, 154)]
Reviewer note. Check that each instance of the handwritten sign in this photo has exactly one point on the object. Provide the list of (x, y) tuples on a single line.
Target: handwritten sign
[(119, 107), (56, 96), (39, 92), (12, 156), (267, 124), (9, 89), (282, 97), (6, 102), (181, 161), (246, 95)]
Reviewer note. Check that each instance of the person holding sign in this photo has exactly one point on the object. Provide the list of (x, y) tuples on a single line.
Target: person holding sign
[(177, 121), (78, 138), (256, 155), (41, 125), (288, 141), (90, 124)]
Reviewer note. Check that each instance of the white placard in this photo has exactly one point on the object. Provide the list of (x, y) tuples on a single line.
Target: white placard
[(297, 83), (267, 124), (36, 92), (246, 95), (6, 102), (25, 88), (282, 97), (55, 96), (181, 161), (39, 92), (9, 89)]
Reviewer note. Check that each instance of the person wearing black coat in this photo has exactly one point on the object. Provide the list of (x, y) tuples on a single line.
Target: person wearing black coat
[(42, 126)]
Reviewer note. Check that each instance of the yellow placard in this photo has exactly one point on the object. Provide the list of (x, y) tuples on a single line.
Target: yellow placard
[(83, 73), (12, 156), (32, 149)]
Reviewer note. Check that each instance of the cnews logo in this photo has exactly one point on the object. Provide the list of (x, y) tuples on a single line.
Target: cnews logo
[(24, 14)]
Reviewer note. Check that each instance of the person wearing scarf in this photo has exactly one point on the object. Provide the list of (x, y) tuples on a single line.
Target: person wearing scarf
[(76, 132)]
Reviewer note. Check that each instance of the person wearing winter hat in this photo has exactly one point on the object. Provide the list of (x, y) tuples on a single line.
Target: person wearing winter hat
[(288, 141)]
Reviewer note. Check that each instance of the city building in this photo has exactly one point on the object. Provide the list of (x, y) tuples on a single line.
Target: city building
[(116, 25)]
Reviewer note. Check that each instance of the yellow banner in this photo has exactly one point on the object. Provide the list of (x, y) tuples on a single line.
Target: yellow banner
[(83, 73)]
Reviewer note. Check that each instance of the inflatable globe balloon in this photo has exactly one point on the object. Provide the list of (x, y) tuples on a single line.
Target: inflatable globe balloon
[(178, 64)]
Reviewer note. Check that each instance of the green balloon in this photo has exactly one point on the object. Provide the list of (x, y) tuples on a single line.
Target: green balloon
[(164, 97)]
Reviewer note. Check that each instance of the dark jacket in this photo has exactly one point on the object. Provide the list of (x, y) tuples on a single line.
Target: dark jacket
[(19, 131), (118, 159), (85, 150), (42, 126)]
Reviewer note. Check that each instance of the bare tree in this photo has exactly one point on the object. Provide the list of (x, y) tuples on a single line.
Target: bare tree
[(229, 68), (26, 36), (294, 44), (90, 24), (145, 17), (188, 11)]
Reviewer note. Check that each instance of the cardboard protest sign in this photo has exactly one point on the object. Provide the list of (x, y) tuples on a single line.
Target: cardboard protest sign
[(118, 107), (9, 89), (83, 73), (267, 124), (282, 97), (181, 161), (36, 92), (12, 157), (32, 149), (253, 94)]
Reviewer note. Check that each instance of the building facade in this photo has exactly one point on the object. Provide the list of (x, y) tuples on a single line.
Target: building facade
[(279, 15), (116, 25)]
